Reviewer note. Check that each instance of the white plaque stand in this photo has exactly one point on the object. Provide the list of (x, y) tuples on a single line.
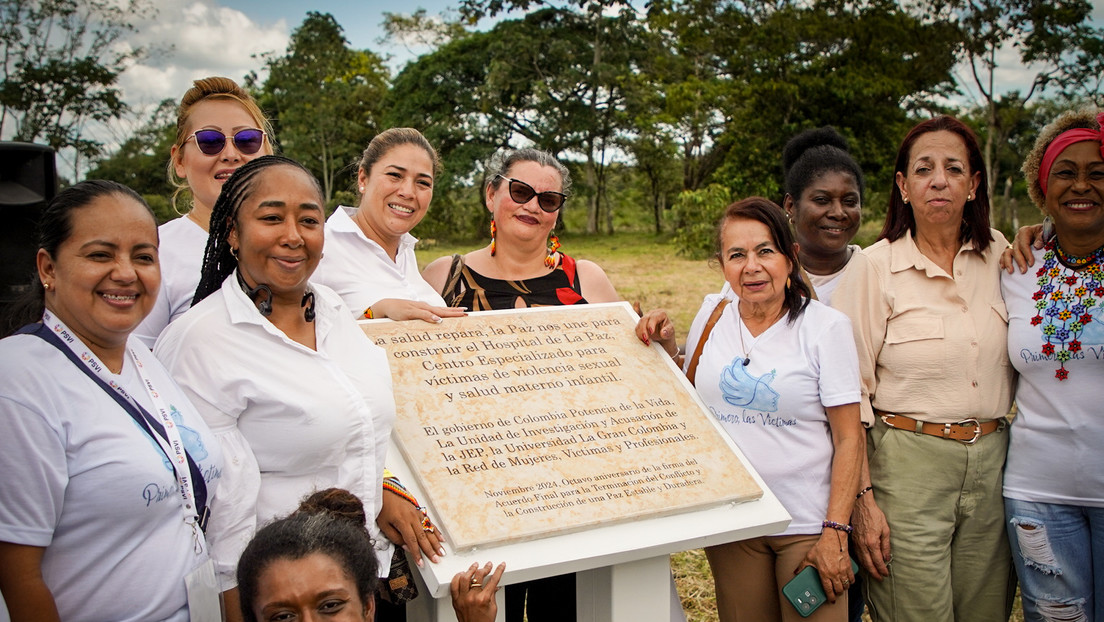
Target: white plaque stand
[(624, 568)]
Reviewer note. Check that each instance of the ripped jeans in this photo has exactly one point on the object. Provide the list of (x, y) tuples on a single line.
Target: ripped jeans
[(1058, 551)]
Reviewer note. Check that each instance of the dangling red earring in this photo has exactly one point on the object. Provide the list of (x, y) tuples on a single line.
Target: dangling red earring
[(494, 230), (554, 245)]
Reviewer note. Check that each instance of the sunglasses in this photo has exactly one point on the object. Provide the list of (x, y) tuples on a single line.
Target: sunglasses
[(212, 142), (522, 193)]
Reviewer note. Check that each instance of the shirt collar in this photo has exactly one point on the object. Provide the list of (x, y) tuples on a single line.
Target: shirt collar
[(905, 254), (241, 310), (341, 221)]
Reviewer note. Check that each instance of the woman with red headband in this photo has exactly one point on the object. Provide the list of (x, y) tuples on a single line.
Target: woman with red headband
[(1054, 478)]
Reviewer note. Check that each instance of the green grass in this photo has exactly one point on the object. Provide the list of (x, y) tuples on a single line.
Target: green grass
[(645, 268)]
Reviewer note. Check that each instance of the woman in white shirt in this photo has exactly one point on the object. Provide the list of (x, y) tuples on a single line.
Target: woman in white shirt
[(219, 127), (298, 397), (370, 258), (107, 466), (780, 372)]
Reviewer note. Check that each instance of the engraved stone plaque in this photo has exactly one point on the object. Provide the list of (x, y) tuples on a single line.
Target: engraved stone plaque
[(531, 422)]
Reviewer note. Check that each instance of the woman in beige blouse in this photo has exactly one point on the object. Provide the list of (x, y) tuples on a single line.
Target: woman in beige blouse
[(930, 327)]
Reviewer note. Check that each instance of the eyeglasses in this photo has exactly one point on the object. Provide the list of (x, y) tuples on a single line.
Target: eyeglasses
[(522, 193), (212, 142)]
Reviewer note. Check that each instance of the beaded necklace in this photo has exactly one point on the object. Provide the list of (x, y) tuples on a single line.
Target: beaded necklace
[(1063, 302)]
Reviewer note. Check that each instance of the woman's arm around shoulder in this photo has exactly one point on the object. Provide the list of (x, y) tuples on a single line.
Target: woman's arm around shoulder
[(596, 286)]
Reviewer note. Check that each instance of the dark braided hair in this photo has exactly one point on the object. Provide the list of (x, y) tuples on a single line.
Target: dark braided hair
[(331, 522), (54, 228), (813, 153), (218, 262), (797, 292)]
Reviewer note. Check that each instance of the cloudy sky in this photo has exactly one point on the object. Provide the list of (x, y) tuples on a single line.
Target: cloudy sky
[(223, 37)]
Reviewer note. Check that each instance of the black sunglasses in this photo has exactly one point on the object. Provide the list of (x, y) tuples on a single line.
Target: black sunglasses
[(212, 142), (522, 193)]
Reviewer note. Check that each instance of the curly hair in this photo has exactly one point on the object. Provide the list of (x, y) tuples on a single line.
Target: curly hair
[(218, 261), (797, 293), (212, 88), (1068, 120), (330, 522), (812, 153), (899, 217)]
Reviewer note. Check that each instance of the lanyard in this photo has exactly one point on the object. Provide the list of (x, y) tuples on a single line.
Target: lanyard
[(193, 489)]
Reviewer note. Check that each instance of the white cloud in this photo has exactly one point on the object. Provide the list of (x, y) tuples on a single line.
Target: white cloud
[(194, 40)]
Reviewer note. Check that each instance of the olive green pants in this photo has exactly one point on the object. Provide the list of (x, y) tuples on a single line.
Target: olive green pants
[(942, 499)]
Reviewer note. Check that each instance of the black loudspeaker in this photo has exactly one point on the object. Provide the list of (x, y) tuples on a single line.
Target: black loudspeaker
[(28, 181)]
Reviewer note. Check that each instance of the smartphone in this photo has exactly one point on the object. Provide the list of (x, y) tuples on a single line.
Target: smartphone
[(805, 591)]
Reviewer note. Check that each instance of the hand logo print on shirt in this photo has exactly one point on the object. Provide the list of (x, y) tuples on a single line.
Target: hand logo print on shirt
[(740, 388), (193, 443)]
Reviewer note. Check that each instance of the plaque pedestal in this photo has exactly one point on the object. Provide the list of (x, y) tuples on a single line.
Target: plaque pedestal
[(624, 568)]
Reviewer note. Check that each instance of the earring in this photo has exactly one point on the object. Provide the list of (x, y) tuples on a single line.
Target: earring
[(494, 231), (362, 189), (970, 197), (233, 252), (905, 199), (789, 282), (45, 286), (554, 245), (308, 302)]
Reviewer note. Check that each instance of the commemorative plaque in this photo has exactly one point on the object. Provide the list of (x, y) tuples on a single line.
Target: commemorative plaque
[(525, 423)]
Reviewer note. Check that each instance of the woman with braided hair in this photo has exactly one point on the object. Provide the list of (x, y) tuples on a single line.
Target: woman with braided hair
[(296, 394)]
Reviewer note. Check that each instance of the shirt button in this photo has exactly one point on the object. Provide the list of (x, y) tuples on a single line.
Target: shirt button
[(965, 309), (974, 383), (973, 343)]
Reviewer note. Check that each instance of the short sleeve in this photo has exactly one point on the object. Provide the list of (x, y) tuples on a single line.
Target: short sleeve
[(34, 465), (839, 363), (860, 296)]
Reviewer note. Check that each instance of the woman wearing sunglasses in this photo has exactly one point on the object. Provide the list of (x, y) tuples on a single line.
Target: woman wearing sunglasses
[(521, 267), (219, 127)]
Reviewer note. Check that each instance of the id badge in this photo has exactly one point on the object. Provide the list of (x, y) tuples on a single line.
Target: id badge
[(203, 594)]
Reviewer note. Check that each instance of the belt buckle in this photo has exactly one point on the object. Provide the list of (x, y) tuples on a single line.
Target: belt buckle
[(977, 430)]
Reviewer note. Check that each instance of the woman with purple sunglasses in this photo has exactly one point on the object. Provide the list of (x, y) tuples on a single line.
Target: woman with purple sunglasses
[(219, 127)]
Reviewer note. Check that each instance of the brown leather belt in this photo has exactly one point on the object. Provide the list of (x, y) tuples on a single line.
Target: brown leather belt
[(967, 431)]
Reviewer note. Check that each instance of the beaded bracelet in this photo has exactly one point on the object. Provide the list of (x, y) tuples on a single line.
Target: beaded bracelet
[(395, 486), (864, 491), (837, 526)]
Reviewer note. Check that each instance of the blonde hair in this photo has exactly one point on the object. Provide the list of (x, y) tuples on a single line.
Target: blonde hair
[(214, 88)]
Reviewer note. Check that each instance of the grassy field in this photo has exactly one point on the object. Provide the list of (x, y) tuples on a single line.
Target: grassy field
[(646, 269), (643, 268)]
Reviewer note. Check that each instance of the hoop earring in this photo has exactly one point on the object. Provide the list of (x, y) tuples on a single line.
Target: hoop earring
[(494, 231), (554, 245), (233, 252)]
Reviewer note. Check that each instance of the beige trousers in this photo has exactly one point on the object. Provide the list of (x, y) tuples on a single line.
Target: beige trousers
[(749, 576), (942, 499)]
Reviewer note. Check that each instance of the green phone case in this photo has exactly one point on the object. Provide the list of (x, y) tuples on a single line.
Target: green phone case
[(805, 592)]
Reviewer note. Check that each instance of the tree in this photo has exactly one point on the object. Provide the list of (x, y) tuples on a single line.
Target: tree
[(324, 98), (60, 62), (140, 161), (1052, 36)]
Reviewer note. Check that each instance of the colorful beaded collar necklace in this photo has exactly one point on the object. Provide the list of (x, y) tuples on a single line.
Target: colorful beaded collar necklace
[(1063, 302)]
